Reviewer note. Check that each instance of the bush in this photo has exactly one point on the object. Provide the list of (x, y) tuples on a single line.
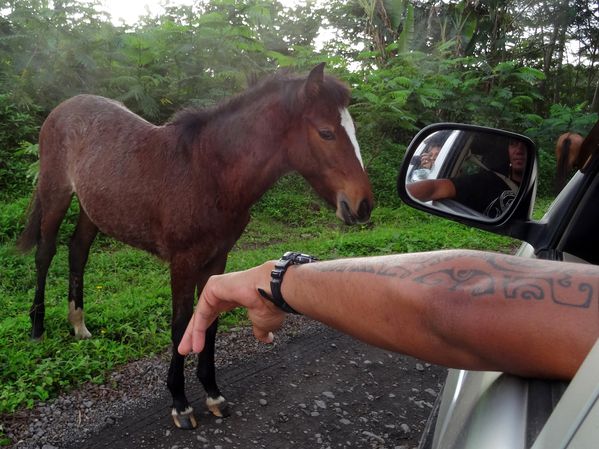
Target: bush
[(17, 129), (561, 119), (414, 89), (12, 219), (382, 159)]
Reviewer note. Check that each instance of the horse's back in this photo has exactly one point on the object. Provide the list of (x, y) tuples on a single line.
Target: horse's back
[(90, 116), (86, 127)]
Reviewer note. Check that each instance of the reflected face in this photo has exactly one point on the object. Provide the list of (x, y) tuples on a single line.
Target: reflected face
[(429, 158), (517, 153)]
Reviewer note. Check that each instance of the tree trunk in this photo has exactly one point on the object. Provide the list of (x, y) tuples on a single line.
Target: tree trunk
[(558, 90), (549, 50), (595, 104)]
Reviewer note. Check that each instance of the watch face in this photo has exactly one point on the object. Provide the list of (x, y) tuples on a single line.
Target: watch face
[(304, 258), (283, 264), (295, 258), (288, 255)]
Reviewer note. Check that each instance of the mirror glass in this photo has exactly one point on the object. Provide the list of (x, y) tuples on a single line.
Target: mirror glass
[(475, 173)]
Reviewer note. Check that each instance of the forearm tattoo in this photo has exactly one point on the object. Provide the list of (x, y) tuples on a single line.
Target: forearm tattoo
[(511, 277)]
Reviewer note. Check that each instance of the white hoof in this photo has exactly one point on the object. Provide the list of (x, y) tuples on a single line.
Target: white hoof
[(218, 406), (81, 333), (78, 322), (185, 419)]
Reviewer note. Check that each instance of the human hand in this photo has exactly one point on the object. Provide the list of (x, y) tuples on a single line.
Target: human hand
[(426, 161), (226, 292)]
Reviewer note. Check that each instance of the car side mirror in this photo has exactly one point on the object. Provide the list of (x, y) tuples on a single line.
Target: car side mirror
[(472, 174)]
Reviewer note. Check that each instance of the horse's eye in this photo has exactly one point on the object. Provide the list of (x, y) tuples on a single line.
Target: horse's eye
[(326, 134)]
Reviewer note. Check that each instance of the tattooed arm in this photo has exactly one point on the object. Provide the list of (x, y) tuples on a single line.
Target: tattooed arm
[(464, 309)]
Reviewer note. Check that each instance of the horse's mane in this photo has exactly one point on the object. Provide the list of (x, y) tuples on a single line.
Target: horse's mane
[(192, 120)]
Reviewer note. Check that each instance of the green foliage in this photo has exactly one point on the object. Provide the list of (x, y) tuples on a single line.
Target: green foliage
[(545, 133), (192, 55), (382, 159), (289, 200), (410, 63), (17, 129), (417, 89), (12, 218), (120, 285), (561, 119)]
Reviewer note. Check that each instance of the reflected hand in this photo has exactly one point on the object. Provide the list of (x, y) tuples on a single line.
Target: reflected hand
[(426, 161)]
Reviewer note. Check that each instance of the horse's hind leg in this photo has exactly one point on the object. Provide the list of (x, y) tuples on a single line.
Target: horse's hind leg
[(84, 235), (53, 209)]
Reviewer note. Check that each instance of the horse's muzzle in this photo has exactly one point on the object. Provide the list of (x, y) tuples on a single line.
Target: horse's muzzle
[(362, 215)]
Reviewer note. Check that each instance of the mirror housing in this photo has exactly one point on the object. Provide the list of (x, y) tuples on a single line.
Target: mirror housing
[(478, 176)]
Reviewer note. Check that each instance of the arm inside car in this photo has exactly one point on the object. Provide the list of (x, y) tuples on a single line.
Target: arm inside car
[(432, 189)]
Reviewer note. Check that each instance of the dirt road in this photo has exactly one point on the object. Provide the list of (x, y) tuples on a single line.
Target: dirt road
[(320, 389), (313, 388)]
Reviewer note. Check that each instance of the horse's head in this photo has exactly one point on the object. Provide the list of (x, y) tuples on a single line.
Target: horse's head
[(323, 147)]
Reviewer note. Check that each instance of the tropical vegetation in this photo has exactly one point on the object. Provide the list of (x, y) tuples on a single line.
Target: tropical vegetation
[(529, 67)]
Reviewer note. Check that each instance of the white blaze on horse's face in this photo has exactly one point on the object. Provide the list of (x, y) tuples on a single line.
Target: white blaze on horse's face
[(348, 125)]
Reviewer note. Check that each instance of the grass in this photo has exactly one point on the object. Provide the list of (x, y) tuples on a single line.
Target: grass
[(127, 294)]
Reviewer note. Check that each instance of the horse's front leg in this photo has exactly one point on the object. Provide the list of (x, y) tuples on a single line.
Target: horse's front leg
[(183, 283), (206, 371), (215, 401)]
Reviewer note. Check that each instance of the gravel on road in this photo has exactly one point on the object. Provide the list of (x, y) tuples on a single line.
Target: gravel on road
[(313, 387)]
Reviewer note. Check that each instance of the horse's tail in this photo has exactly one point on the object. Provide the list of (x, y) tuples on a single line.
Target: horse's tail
[(31, 233), (563, 152)]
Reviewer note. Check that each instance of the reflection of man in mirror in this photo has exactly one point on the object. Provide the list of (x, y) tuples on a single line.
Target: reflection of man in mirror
[(517, 157), (517, 154), (489, 191)]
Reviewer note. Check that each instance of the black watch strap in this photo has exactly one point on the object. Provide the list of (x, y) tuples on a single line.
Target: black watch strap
[(276, 278)]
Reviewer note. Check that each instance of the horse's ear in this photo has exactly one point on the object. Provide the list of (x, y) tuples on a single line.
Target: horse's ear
[(314, 81)]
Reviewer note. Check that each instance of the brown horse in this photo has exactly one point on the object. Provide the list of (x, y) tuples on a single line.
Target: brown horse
[(569, 157), (183, 191)]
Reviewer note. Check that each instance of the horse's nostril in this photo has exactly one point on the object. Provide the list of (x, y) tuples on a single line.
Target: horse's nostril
[(364, 210)]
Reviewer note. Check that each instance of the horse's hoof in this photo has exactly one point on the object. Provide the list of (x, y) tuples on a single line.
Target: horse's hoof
[(218, 407), (37, 338), (82, 334), (185, 420)]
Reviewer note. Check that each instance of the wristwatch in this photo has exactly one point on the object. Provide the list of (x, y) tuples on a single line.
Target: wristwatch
[(276, 278)]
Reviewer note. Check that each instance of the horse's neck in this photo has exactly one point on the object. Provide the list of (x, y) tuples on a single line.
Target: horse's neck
[(247, 158)]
